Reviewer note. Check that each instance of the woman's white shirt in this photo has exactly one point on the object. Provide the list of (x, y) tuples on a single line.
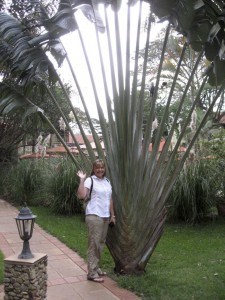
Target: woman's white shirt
[(100, 197)]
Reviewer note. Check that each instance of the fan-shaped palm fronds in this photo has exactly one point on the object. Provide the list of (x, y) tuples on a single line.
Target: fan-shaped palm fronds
[(141, 180)]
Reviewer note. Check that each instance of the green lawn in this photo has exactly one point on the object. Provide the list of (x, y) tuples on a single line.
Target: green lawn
[(188, 263), (1, 267)]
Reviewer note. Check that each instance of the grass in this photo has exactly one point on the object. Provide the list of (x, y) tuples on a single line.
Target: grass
[(188, 263), (1, 267)]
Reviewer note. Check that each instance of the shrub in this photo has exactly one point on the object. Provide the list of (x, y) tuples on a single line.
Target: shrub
[(4, 171), (1, 267), (26, 181), (63, 186), (193, 194), (51, 182)]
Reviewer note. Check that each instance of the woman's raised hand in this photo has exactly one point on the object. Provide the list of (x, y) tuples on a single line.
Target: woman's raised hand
[(81, 174)]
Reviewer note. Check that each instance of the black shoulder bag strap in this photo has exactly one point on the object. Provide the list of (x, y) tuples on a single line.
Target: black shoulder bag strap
[(91, 188)]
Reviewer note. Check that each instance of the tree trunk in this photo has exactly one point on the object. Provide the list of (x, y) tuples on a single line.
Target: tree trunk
[(220, 204), (132, 248)]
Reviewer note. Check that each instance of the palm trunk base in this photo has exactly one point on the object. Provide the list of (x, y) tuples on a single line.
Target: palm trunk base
[(136, 266), (128, 270)]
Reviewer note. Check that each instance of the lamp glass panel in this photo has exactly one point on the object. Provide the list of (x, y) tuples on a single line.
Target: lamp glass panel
[(20, 227), (25, 228)]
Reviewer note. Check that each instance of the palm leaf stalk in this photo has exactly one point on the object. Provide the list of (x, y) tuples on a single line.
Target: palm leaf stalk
[(197, 132), (154, 167), (129, 202), (61, 21), (96, 138), (99, 108), (85, 160), (18, 69), (74, 160), (179, 166), (161, 160), (17, 50), (47, 38), (113, 77), (13, 101), (154, 98), (87, 143), (138, 138), (139, 101), (164, 153), (159, 183), (107, 131)]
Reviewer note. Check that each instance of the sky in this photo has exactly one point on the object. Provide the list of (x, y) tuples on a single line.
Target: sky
[(74, 49)]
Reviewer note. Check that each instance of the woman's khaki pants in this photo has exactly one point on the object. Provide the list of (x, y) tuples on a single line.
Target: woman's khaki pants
[(97, 231)]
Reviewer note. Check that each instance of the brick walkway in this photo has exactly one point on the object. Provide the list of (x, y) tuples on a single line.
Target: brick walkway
[(66, 269)]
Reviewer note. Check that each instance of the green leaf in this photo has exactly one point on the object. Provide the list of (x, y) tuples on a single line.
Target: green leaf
[(198, 35), (219, 67)]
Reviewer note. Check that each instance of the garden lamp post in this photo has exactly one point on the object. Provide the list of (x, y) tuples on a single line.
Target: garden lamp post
[(25, 224)]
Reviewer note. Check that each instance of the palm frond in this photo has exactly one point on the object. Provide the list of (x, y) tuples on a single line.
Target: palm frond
[(28, 65)]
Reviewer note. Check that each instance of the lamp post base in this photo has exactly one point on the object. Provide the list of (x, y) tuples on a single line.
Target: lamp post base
[(26, 256), (26, 253), (25, 278)]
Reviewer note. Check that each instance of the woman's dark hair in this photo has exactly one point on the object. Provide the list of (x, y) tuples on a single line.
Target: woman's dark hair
[(97, 162)]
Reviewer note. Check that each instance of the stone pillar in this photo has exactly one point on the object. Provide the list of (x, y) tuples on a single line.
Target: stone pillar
[(25, 278)]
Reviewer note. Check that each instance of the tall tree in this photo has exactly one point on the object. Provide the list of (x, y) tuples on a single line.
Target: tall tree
[(11, 134), (202, 23), (171, 58)]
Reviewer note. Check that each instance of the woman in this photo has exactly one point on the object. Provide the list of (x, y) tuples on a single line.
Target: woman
[(99, 213)]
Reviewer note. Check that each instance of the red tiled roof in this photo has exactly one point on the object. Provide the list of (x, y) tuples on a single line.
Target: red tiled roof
[(222, 120), (161, 145), (61, 149), (32, 155), (80, 139)]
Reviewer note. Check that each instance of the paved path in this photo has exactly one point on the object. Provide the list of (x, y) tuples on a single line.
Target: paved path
[(66, 269)]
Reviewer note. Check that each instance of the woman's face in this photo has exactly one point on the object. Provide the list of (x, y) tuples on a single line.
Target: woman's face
[(99, 170)]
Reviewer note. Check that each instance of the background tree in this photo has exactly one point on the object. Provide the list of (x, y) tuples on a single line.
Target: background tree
[(202, 23), (171, 58), (84, 121), (11, 134)]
